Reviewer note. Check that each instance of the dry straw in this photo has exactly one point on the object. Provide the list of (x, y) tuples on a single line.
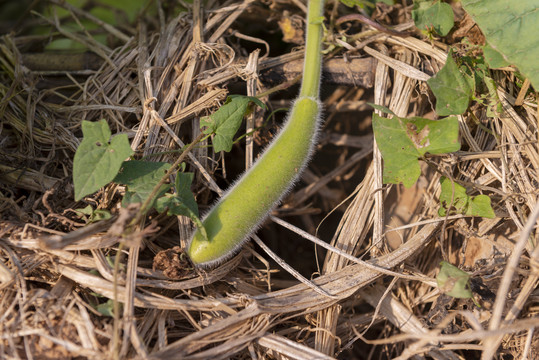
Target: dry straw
[(154, 85)]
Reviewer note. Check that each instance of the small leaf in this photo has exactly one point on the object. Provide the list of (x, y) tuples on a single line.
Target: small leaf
[(98, 158), (141, 177), (107, 308), (100, 214), (93, 215), (480, 205), (88, 210), (182, 202), (175, 206), (452, 89), (463, 203), (182, 196), (452, 191), (403, 141), (437, 16), (226, 121), (183, 190), (453, 281)]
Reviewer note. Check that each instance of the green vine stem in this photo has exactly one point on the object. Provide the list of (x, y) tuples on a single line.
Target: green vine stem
[(312, 66), (242, 209)]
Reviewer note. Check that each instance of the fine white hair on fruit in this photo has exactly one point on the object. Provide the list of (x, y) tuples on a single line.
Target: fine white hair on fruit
[(244, 207)]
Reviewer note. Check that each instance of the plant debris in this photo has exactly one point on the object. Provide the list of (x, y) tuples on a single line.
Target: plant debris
[(71, 288)]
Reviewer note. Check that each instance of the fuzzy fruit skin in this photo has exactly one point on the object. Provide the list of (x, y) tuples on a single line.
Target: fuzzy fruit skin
[(241, 210)]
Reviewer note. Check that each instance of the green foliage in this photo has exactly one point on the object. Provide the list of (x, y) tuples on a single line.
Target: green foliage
[(494, 58), (492, 101), (475, 67), (107, 308), (98, 158), (182, 202), (453, 89), (141, 177), (432, 16), (463, 203), (510, 28), (90, 215), (453, 281), (97, 163), (403, 141), (117, 13), (225, 122)]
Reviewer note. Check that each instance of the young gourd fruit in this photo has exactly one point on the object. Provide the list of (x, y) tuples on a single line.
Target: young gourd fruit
[(248, 202)]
